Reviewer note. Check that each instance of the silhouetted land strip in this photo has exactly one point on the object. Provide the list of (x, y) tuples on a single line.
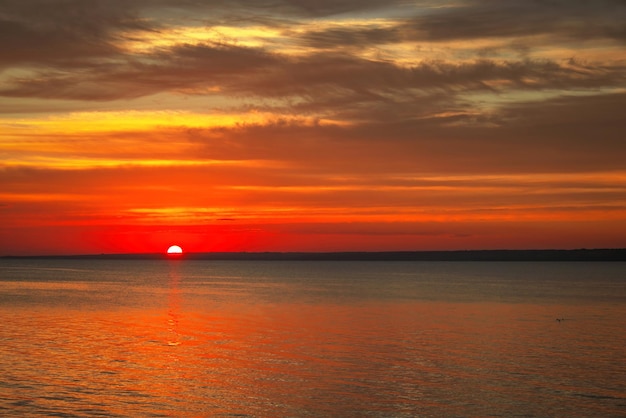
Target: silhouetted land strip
[(618, 254)]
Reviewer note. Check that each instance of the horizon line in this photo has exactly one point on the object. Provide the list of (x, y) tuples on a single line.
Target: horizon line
[(582, 254)]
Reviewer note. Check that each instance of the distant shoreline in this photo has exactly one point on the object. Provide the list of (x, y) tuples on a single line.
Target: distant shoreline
[(617, 254)]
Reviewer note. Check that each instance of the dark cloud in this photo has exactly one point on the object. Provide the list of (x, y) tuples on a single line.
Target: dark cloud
[(358, 74), (344, 37), (298, 8), (561, 135), (73, 51), (185, 67), (60, 32), (69, 32), (578, 19), (588, 125), (558, 20), (321, 80)]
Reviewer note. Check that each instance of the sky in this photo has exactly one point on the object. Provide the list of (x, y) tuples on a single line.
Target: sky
[(127, 126)]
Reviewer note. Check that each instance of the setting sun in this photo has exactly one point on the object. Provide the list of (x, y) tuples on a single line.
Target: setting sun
[(174, 250)]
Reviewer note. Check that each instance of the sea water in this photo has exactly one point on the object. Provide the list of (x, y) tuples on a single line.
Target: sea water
[(187, 338)]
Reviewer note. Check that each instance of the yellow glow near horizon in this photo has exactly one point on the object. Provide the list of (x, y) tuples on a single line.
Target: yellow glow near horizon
[(105, 139), (133, 120), (90, 163)]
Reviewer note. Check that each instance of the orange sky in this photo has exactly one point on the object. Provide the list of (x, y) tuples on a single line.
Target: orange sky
[(128, 126)]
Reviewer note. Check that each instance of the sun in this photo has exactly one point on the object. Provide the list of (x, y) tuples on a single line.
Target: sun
[(174, 250)]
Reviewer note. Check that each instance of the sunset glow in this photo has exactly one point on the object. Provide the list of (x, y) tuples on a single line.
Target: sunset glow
[(311, 126)]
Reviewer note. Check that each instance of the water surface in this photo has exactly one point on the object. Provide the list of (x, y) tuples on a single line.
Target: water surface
[(253, 338)]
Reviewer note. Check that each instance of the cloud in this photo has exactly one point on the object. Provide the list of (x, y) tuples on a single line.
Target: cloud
[(185, 67), (56, 32), (338, 37), (75, 50), (567, 133), (299, 8), (327, 82), (561, 135), (529, 23), (576, 20), (64, 33)]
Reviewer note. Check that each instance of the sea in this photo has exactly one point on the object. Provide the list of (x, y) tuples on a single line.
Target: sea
[(208, 338)]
